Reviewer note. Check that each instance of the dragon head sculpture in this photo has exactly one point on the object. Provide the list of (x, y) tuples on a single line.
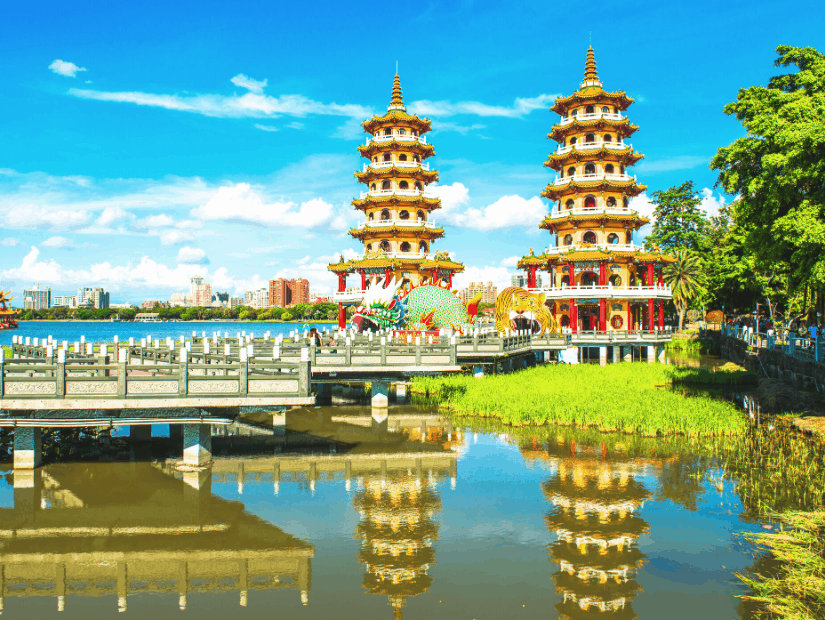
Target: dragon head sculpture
[(380, 308)]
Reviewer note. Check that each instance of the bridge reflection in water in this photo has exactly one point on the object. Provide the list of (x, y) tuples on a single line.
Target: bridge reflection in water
[(595, 496)]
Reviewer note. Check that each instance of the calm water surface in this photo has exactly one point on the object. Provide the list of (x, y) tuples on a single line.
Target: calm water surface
[(104, 332), (336, 513)]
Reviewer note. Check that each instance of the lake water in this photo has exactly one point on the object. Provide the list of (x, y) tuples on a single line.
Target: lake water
[(339, 513), (104, 332)]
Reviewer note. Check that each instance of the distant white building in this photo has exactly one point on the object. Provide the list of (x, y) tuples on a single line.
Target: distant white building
[(520, 280), (257, 299), (123, 306), (64, 301), (93, 298), (37, 298)]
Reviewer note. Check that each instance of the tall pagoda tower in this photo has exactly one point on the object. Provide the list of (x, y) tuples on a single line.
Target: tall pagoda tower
[(398, 231), (599, 280)]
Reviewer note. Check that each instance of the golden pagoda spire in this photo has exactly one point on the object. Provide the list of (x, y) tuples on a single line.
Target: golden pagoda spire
[(590, 75), (397, 100)]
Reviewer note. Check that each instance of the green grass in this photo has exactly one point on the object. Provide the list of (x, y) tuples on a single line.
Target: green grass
[(7, 349), (630, 398), (693, 344), (729, 374), (795, 588)]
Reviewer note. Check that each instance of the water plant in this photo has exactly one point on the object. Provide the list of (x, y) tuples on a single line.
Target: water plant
[(630, 398)]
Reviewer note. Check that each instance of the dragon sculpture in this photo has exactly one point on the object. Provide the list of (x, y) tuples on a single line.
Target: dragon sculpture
[(391, 305)]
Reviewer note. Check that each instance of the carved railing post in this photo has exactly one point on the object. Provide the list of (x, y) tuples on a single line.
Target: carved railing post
[(60, 375), (348, 358), (243, 372), (418, 350), (183, 372), (383, 350), (2, 368), (453, 351), (305, 373), (122, 360)]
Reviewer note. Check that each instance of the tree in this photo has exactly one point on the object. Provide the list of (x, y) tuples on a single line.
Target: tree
[(778, 170), (286, 316), (679, 221), (685, 277)]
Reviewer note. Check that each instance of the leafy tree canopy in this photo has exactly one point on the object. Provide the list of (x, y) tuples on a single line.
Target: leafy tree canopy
[(679, 221)]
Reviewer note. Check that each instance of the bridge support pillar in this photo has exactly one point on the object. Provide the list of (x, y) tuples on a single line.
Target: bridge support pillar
[(400, 392), (324, 394), (616, 355), (140, 432), (478, 371), (197, 445), (651, 354), (602, 356), (627, 353), (28, 453), (660, 353), (27, 489), (380, 390)]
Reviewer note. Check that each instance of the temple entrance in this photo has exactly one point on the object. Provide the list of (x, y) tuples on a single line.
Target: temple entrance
[(589, 317)]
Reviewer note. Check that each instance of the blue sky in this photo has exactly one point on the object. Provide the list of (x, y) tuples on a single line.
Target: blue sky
[(220, 138)]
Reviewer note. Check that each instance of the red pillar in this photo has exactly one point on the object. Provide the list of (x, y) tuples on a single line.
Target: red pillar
[(387, 274), (450, 281), (531, 277), (603, 314), (602, 273), (554, 310), (342, 316), (650, 315), (574, 316), (435, 276), (661, 314), (571, 272), (342, 282), (650, 276), (661, 281), (363, 280)]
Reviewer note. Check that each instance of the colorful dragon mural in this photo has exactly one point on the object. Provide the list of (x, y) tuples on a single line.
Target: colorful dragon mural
[(391, 305)]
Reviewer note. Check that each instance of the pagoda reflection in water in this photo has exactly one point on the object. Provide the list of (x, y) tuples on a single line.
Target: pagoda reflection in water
[(595, 495)]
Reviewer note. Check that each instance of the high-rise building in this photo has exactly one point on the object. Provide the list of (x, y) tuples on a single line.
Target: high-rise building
[(64, 301), (488, 291), (92, 298), (257, 299), (37, 298), (201, 292), (522, 281), (284, 293)]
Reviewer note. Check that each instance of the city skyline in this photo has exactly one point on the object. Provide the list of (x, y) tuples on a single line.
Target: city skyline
[(133, 168)]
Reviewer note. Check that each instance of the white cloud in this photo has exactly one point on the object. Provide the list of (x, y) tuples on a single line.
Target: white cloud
[(248, 83), (192, 256), (111, 215), (175, 237), (44, 218), (154, 222), (295, 125), (69, 69), (9, 242), (303, 261), (711, 204), (248, 105), (511, 261), (61, 243), (265, 127), (521, 107), (506, 212), (462, 129), (242, 204)]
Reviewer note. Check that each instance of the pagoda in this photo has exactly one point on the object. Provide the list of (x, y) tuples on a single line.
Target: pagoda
[(595, 496), (397, 232), (7, 315), (599, 279)]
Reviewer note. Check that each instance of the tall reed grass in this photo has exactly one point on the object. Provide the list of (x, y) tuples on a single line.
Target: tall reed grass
[(630, 398)]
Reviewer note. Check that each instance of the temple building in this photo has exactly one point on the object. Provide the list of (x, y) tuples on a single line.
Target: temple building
[(599, 280), (397, 232)]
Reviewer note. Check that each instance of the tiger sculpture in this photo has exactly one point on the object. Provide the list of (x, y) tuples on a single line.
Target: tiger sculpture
[(517, 308)]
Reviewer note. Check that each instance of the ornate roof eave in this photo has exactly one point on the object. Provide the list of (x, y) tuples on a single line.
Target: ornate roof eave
[(628, 157), (600, 254), (419, 201), (628, 188), (579, 97), (623, 127), (448, 264), (636, 220), (425, 150), (419, 174), (418, 231), (395, 118)]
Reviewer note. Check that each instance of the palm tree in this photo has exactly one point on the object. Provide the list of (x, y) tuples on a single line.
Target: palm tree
[(684, 276)]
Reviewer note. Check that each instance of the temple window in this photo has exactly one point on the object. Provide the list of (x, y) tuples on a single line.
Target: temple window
[(624, 202), (402, 157), (589, 278), (415, 133), (589, 110), (385, 246), (605, 109), (385, 214), (372, 187), (404, 185), (609, 170), (570, 204), (388, 132), (622, 169), (405, 247), (404, 215), (565, 280), (402, 132), (615, 280), (590, 169), (611, 202), (375, 160), (608, 138), (387, 157), (422, 247), (571, 171), (418, 186), (590, 202), (590, 138), (386, 185), (589, 237), (369, 247), (572, 141), (568, 239), (613, 238), (372, 217), (575, 112), (421, 215), (628, 238), (416, 159)]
